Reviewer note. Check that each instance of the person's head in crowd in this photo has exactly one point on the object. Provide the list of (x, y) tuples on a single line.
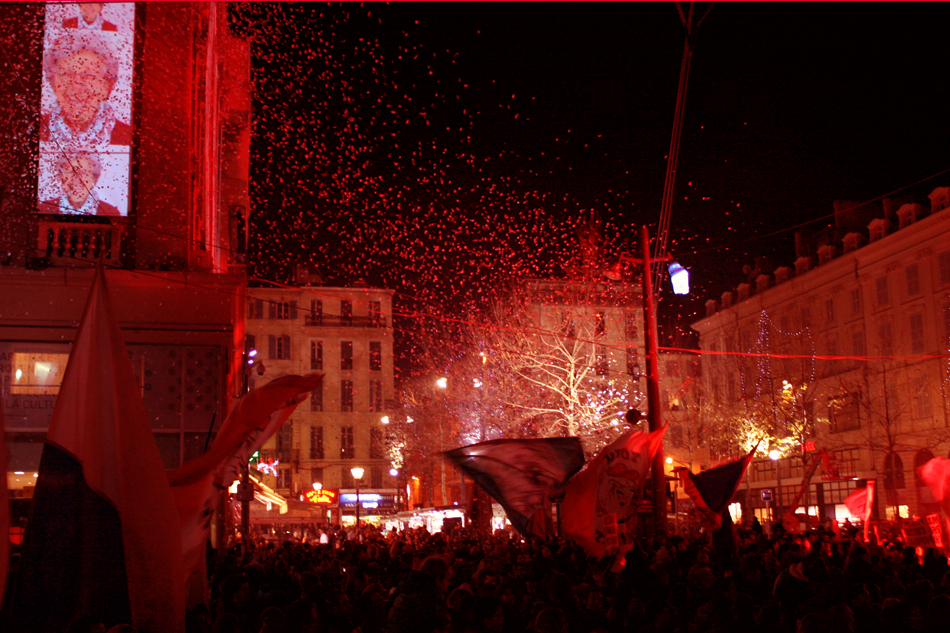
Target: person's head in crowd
[(550, 620), (814, 623), (78, 175), (123, 628), (487, 615), (841, 618), (438, 569), (81, 70), (227, 623)]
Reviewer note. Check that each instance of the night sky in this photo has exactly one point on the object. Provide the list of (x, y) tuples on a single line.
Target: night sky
[(440, 149)]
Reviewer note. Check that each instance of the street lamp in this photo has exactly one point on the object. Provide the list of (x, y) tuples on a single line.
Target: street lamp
[(357, 473)]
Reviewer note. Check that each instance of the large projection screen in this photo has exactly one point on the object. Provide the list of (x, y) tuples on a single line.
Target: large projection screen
[(86, 109)]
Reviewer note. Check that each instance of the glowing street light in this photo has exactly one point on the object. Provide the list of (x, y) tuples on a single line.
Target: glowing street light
[(680, 278), (357, 473), (442, 383)]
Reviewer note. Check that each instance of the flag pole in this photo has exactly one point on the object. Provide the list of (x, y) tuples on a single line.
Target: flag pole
[(654, 416)]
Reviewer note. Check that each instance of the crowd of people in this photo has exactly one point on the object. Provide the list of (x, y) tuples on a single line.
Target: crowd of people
[(418, 582)]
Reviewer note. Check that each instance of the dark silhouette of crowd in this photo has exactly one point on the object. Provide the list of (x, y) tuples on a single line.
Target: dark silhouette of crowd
[(418, 582)]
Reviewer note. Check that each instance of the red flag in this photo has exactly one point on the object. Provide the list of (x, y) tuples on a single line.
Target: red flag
[(936, 475), (103, 536), (857, 503), (712, 490), (601, 501), (256, 417)]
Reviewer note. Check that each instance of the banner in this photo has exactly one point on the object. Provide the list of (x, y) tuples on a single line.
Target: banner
[(522, 475), (602, 500), (713, 490)]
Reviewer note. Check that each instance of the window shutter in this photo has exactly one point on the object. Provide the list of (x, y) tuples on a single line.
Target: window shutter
[(271, 309), (271, 346), (286, 339), (293, 310)]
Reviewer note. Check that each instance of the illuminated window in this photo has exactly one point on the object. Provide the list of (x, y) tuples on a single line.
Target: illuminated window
[(37, 374)]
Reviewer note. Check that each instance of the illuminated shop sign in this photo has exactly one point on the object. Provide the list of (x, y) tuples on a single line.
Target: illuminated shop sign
[(324, 496), (86, 109), (368, 500)]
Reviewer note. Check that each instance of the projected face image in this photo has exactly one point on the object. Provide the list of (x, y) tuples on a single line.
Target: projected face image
[(78, 177), (86, 107), (81, 86)]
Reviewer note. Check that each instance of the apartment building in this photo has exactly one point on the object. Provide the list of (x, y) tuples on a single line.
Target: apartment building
[(842, 357), (347, 335)]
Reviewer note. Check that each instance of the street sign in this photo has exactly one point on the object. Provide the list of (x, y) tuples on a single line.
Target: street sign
[(766, 495)]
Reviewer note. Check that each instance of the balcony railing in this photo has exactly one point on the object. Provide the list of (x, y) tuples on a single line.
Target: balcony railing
[(68, 243), (331, 320)]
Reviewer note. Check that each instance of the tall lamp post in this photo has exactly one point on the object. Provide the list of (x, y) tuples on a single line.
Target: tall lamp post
[(357, 473), (776, 457)]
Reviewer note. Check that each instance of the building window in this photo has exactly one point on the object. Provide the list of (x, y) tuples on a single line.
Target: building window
[(316, 442), (922, 404), (633, 367), (912, 275), (832, 352), (600, 323), (376, 443), (278, 347), (917, 332), (316, 476), (283, 478), (943, 261), (347, 443), (315, 314), (375, 395), (843, 412), (857, 343), (630, 329), (376, 313), (255, 309), (316, 398), (829, 310), (250, 343), (567, 324), (346, 311), (346, 478), (282, 310), (375, 477), (886, 339), (346, 354), (346, 395), (601, 366), (847, 461), (375, 356), (883, 296), (316, 354), (855, 301), (806, 317), (284, 439)]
